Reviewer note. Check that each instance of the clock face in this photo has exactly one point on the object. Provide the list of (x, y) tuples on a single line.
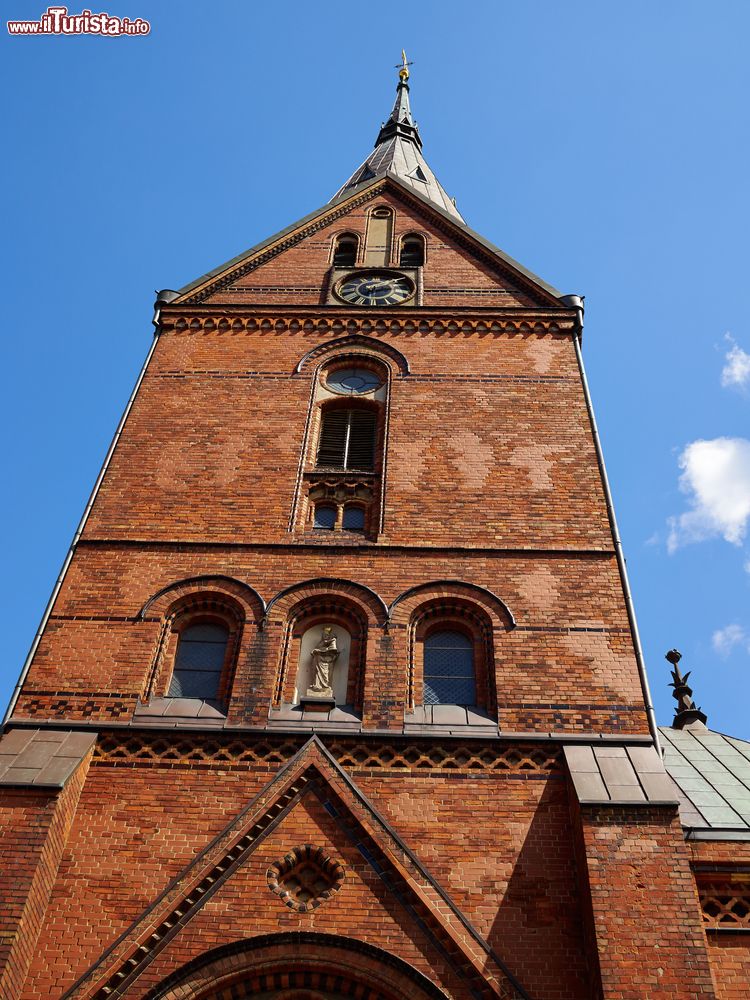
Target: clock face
[(375, 288)]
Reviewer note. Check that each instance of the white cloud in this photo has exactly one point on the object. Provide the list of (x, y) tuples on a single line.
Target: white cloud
[(725, 639), (736, 370), (716, 478)]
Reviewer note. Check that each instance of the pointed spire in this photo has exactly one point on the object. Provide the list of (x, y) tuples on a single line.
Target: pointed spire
[(398, 152), (686, 713), (401, 121)]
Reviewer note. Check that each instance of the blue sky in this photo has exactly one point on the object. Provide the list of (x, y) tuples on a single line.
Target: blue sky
[(603, 145)]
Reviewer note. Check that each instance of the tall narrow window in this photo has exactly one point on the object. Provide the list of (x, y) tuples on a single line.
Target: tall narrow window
[(449, 669), (412, 251), (345, 254), (347, 440), (199, 662)]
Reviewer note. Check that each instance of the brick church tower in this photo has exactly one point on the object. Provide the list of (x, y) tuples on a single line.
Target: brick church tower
[(340, 694)]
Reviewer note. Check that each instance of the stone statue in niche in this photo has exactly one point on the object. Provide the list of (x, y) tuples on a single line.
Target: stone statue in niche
[(324, 656)]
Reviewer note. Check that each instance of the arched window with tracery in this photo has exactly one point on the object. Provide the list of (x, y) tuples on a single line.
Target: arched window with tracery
[(197, 654)]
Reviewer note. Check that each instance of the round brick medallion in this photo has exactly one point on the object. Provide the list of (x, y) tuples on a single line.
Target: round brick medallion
[(305, 878)]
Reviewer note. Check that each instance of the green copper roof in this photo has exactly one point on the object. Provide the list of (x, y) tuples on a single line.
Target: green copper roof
[(711, 773)]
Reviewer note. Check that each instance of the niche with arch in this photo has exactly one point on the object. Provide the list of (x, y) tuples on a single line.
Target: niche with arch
[(379, 237), (306, 630), (330, 644)]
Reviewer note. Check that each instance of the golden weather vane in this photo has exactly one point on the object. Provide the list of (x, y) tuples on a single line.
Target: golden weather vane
[(403, 67)]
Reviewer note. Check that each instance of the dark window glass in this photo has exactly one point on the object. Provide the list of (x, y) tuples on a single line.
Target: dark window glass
[(325, 517), (353, 381), (347, 439), (449, 669), (199, 662), (354, 518), (345, 254), (412, 253)]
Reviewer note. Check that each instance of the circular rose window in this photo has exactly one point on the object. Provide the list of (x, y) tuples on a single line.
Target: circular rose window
[(353, 381), (305, 878)]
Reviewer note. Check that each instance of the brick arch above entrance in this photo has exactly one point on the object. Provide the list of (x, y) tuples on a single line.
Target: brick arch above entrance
[(297, 966)]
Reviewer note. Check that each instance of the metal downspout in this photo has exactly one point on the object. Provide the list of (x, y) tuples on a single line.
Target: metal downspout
[(576, 302), (163, 298)]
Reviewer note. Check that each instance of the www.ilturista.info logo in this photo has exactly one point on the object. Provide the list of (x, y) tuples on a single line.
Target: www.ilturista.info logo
[(57, 21)]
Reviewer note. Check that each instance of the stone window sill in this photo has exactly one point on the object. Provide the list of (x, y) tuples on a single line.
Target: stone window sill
[(450, 717), (174, 711), (341, 717)]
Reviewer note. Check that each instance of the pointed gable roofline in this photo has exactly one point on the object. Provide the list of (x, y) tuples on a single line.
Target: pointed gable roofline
[(219, 277), (311, 770)]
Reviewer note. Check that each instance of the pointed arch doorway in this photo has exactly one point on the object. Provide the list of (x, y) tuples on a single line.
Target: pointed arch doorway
[(297, 966)]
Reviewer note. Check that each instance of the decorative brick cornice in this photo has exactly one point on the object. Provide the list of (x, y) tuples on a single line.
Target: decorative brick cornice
[(332, 320), (199, 751)]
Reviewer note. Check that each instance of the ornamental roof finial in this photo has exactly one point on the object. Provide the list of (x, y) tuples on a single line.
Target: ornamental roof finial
[(687, 712), (403, 67)]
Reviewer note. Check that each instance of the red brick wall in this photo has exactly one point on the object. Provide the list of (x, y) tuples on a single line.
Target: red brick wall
[(515, 447), (501, 845), (453, 276), (730, 965), (571, 647), (34, 827), (729, 951), (644, 905), (363, 908), (491, 479)]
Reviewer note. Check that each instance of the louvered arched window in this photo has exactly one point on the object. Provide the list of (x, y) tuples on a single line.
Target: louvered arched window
[(199, 662), (347, 439), (345, 251), (412, 251), (449, 676)]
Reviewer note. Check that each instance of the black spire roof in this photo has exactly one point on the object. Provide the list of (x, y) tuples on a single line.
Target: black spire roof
[(398, 153)]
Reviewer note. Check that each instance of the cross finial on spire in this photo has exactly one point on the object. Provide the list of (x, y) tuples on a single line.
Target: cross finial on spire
[(403, 67)]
